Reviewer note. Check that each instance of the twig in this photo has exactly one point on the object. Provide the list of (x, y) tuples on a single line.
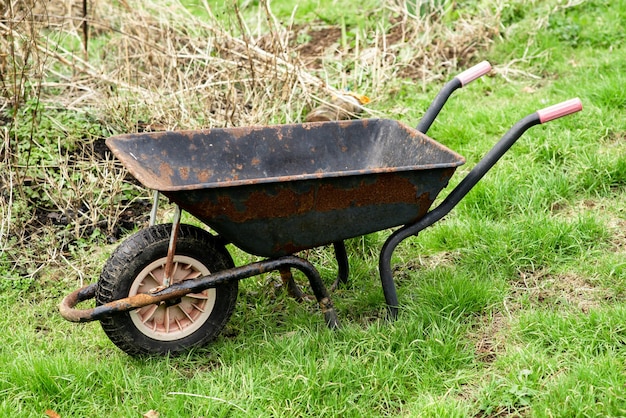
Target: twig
[(87, 68)]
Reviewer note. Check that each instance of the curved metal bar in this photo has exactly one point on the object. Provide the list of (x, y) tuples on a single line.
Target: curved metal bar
[(68, 309), (455, 196), (459, 81), (319, 290), (437, 104)]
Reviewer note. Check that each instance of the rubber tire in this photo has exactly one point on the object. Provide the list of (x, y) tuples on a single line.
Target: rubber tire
[(142, 249)]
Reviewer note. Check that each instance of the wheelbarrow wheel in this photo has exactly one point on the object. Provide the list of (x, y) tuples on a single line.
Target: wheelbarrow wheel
[(138, 265)]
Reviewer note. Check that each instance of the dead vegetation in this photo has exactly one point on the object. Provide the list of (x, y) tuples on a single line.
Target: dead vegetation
[(186, 71), (130, 66)]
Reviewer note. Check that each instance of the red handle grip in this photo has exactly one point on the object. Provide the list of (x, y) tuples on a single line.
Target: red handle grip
[(559, 110), (473, 73)]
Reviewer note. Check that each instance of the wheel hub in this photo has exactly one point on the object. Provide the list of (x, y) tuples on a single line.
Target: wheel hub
[(175, 319)]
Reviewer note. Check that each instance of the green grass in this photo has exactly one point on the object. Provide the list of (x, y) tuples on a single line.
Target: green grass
[(513, 305)]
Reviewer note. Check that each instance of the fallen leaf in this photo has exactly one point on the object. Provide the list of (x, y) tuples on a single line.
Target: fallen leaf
[(51, 414), (151, 414)]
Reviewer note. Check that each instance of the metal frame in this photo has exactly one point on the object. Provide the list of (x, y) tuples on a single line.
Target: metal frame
[(455, 196), (285, 263), (178, 290)]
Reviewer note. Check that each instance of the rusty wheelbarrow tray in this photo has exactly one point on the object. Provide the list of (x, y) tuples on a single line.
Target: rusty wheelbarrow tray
[(273, 191), (276, 190)]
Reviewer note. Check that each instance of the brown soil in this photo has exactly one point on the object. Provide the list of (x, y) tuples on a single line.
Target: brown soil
[(318, 42)]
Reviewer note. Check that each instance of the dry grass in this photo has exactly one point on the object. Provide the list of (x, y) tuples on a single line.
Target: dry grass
[(148, 66), (187, 72)]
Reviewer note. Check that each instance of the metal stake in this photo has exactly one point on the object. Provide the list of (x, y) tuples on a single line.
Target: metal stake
[(155, 205)]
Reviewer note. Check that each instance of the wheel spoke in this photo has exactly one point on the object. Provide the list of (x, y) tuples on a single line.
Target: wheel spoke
[(186, 314), (166, 320), (148, 313), (198, 296), (185, 272), (151, 274), (197, 307), (194, 275)]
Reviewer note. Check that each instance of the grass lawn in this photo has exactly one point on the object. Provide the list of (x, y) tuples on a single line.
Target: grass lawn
[(512, 305)]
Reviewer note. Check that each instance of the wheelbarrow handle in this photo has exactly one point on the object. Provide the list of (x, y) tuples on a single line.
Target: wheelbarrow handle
[(473, 73), (559, 110), (465, 185), (499, 149), (457, 82)]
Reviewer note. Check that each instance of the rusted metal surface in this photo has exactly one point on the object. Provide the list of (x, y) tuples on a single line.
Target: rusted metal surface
[(171, 249), (176, 291), (276, 219), (66, 308), (215, 158), (276, 190)]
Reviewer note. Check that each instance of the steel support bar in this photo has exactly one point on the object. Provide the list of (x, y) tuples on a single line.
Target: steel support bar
[(455, 196), (178, 290), (171, 249)]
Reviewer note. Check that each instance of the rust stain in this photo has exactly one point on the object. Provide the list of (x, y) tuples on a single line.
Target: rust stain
[(258, 205), (203, 176), (286, 202), (288, 248), (241, 132), (165, 173), (223, 206), (446, 175), (184, 172), (385, 190)]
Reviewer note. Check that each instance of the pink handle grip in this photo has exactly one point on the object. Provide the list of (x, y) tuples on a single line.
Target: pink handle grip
[(559, 110), (473, 73)]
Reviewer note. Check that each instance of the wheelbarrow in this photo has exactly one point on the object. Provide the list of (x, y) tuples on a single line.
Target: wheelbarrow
[(271, 191)]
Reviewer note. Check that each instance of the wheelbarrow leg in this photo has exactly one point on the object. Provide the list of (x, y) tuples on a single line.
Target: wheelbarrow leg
[(384, 263), (317, 285), (290, 284), (343, 271), (343, 268)]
